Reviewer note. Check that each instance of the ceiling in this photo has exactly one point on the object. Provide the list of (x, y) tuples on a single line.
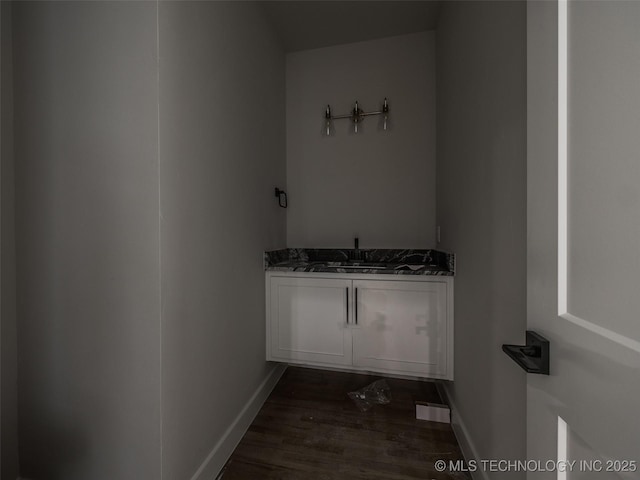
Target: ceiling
[(307, 24)]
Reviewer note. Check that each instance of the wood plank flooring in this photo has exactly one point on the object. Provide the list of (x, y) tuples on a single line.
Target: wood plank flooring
[(310, 429)]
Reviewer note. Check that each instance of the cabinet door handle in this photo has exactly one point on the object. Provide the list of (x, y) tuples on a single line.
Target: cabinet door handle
[(355, 306), (347, 297)]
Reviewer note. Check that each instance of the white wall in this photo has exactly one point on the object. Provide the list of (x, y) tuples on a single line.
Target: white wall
[(481, 50), (221, 155), (87, 240), (8, 334), (379, 186), (144, 202)]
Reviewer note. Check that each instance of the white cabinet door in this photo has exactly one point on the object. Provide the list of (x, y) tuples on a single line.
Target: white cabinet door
[(308, 321), (402, 327)]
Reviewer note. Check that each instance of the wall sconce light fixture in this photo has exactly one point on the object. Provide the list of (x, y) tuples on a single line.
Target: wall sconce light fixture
[(357, 116)]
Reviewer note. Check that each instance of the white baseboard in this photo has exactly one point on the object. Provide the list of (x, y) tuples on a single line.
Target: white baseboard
[(221, 452), (462, 434)]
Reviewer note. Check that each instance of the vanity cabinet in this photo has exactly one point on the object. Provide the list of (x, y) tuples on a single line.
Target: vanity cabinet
[(400, 325), (309, 320)]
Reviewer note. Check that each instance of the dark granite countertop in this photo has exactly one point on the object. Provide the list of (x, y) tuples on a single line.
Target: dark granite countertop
[(378, 261)]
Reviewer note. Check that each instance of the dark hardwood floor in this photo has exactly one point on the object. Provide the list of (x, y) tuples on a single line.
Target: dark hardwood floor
[(309, 429)]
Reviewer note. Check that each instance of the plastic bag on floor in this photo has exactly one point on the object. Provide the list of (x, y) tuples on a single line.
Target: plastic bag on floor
[(376, 393)]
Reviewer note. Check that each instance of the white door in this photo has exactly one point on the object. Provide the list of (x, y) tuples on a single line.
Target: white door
[(308, 320), (401, 327), (583, 248)]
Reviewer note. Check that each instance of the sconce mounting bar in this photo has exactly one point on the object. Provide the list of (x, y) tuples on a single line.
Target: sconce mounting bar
[(350, 115)]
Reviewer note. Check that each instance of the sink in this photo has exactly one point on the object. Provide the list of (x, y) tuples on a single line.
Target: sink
[(363, 266), (359, 265), (352, 265)]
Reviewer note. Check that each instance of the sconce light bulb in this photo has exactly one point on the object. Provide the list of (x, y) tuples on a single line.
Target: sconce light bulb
[(355, 117)]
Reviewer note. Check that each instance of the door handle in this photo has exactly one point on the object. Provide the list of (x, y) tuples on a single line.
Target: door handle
[(347, 297), (532, 357), (355, 306)]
